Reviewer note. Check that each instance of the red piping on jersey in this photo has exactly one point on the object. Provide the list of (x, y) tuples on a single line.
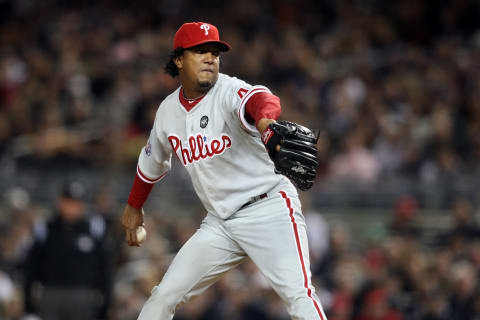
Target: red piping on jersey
[(244, 101), (188, 104), (300, 253), (147, 179)]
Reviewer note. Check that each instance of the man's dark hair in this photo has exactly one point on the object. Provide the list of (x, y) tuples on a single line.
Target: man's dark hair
[(170, 66)]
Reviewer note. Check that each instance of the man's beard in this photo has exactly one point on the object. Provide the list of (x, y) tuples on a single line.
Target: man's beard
[(205, 84)]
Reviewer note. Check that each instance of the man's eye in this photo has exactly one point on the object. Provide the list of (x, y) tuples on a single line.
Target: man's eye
[(204, 51)]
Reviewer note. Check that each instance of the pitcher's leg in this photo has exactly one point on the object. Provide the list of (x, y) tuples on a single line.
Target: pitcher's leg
[(274, 237), (206, 256)]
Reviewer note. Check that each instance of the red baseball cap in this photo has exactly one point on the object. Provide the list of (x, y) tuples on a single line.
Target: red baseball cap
[(194, 33)]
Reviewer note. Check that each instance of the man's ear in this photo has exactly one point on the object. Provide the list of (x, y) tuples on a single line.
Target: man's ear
[(178, 62)]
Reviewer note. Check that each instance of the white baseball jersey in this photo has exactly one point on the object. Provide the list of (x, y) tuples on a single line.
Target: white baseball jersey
[(222, 152)]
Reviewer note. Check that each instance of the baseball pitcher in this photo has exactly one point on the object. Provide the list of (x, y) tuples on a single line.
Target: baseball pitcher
[(242, 163)]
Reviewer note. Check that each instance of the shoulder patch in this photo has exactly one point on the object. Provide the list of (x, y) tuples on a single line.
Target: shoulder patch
[(148, 148)]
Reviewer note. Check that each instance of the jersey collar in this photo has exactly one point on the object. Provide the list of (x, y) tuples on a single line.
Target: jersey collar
[(188, 104)]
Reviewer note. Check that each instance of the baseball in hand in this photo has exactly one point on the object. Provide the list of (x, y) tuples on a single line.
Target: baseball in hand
[(141, 234)]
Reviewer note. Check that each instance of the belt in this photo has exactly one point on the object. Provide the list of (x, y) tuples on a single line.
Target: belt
[(254, 199)]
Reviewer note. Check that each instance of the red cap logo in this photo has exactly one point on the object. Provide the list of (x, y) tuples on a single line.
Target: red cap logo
[(195, 33)]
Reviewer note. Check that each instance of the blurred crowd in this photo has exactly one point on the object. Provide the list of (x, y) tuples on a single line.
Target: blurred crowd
[(405, 268), (394, 87)]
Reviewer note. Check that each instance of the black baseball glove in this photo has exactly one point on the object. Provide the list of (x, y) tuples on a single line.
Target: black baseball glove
[(297, 157)]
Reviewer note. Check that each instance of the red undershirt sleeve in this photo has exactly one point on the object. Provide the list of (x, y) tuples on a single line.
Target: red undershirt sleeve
[(139, 193), (263, 105)]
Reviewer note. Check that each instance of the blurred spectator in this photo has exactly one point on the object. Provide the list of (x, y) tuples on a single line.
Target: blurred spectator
[(104, 208), (377, 307), (69, 260), (464, 228), (10, 302), (436, 307), (356, 163), (318, 229), (17, 239), (338, 249), (404, 223), (464, 285)]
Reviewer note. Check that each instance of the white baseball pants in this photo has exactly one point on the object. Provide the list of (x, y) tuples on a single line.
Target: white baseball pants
[(271, 232)]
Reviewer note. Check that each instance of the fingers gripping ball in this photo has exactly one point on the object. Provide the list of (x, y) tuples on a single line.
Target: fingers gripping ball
[(297, 156), (141, 234)]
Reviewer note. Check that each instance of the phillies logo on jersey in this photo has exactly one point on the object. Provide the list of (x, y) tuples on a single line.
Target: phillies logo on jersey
[(198, 148)]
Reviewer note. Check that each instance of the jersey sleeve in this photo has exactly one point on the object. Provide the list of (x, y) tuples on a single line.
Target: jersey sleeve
[(155, 158), (238, 93)]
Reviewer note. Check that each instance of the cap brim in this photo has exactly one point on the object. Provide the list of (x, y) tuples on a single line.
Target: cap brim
[(223, 46)]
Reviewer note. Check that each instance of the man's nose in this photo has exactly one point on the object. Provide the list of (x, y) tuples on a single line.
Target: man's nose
[(209, 57)]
